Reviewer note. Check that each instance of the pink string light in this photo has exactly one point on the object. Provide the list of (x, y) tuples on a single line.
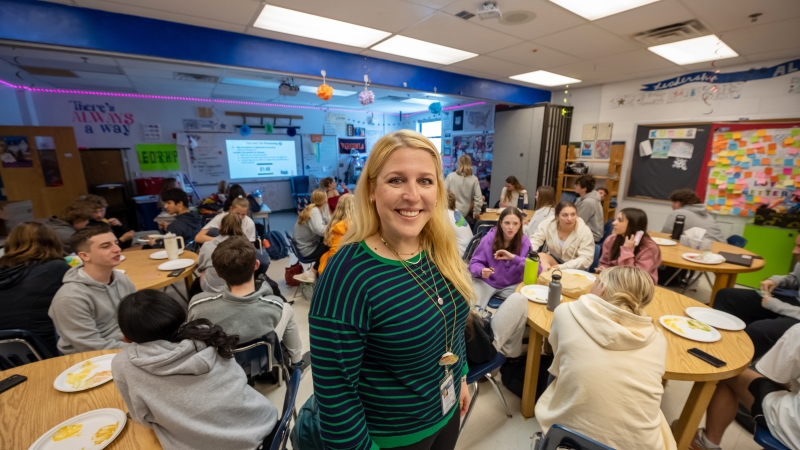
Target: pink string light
[(208, 100)]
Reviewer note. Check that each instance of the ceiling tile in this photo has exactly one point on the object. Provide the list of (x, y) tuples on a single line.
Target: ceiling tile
[(435, 4), (647, 17), (468, 72), (588, 41), (587, 70), (723, 15), (400, 59), (763, 38), (385, 15), (302, 40), (789, 53), (637, 61), (542, 58), (493, 66), (161, 15), (722, 63), (240, 12), (451, 31)]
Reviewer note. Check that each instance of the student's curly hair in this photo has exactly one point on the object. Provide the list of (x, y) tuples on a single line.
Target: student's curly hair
[(685, 197)]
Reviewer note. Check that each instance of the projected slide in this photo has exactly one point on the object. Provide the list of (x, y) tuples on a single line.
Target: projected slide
[(261, 159)]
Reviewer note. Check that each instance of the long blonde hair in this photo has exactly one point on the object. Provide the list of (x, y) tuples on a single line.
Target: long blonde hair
[(318, 199), (464, 166), (437, 237), (345, 210), (628, 288)]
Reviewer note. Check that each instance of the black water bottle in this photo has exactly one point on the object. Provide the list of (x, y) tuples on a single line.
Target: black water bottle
[(677, 228)]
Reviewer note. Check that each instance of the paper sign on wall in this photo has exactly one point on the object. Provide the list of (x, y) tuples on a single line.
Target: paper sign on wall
[(604, 131), (673, 133), (681, 150), (157, 157), (589, 132)]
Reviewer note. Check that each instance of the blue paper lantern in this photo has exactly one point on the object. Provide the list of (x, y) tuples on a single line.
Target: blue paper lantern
[(435, 108), (245, 130)]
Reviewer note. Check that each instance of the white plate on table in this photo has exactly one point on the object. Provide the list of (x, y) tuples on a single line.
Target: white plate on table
[(162, 254), (122, 258), (704, 258), (176, 264), (536, 293), (92, 430), (664, 242), (85, 375), (715, 318), (691, 329), (581, 273)]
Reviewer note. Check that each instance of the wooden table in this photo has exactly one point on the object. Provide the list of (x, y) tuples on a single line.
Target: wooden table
[(496, 215), (33, 407), (724, 274), (144, 273), (735, 348)]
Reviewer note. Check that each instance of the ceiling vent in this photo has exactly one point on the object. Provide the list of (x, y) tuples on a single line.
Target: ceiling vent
[(49, 72), (287, 89), (489, 10), (182, 76), (466, 15), (672, 33), (517, 17)]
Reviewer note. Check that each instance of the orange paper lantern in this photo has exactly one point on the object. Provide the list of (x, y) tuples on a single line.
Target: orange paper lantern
[(325, 92)]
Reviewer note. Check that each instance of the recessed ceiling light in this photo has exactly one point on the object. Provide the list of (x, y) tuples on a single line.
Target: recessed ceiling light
[(425, 51), (597, 9), (250, 82), (298, 23), (690, 51), (420, 101), (544, 78), (336, 92)]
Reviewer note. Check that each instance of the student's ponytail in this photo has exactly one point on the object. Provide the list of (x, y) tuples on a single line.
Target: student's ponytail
[(628, 288), (213, 336)]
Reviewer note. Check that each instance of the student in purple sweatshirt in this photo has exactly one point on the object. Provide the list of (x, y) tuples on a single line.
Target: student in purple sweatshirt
[(499, 261)]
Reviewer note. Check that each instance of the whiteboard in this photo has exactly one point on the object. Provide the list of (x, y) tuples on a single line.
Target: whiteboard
[(320, 158)]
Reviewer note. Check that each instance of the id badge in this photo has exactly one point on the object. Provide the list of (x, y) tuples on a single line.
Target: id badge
[(447, 392)]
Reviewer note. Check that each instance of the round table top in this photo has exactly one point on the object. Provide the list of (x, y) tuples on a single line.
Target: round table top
[(735, 347), (494, 214), (671, 256), (143, 270), (33, 407)]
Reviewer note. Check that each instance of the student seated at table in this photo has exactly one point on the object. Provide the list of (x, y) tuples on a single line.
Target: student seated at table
[(84, 310), (213, 204), (590, 206), (498, 262), (239, 208), (209, 279), (237, 191), (771, 392), (686, 203), (99, 205), (769, 317), (620, 248), (545, 208), (608, 361), (460, 224), (504, 334), (309, 232), (71, 219), (513, 194), (166, 185), (340, 222), (329, 186), (179, 379), (568, 242), (242, 309), (603, 193), (185, 223), (467, 189), (30, 275)]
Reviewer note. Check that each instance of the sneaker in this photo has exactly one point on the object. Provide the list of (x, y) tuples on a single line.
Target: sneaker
[(701, 443), (306, 277), (304, 364)]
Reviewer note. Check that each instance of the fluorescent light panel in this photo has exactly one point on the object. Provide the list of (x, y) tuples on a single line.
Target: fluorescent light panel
[(690, 51), (336, 92), (597, 9), (420, 101), (424, 51), (287, 21), (544, 78)]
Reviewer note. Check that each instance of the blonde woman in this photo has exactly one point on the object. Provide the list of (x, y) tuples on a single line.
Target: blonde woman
[(609, 359), (388, 316), (309, 232), (513, 194), (338, 226), (467, 189)]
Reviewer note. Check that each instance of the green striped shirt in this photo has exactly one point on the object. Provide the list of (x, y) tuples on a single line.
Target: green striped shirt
[(376, 340)]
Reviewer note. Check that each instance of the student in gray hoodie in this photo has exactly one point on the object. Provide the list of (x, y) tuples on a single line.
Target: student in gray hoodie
[(74, 217), (590, 206), (180, 380), (686, 203), (84, 310)]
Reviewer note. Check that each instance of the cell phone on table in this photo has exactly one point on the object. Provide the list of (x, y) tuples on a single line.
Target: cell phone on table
[(11, 381), (176, 272), (716, 362)]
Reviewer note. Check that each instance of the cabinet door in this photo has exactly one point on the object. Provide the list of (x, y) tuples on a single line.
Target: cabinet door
[(775, 246)]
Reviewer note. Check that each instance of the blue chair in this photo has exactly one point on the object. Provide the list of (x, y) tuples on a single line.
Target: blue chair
[(19, 347), (561, 437), (301, 189), (473, 244), (598, 249), (484, 371), (283, 430), (608, 228), (483, 226), (737, 241), (765, 439), (260, 356)]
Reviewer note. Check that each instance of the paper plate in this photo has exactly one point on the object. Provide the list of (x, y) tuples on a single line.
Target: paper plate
[(176, 264), (162, 254), (580, 273), (155, 236), (715, 318), (691, 329), (536, 293), (92, 430), (122, 258), (85, 375), (664, 242), (709, 258)]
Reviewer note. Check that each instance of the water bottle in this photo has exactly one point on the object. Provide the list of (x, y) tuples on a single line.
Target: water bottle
[(677, 228), (554, 296), (531, 268)]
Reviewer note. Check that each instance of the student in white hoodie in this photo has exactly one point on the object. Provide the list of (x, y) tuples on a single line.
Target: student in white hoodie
[(180, 379), (568, 242), (608, 362)]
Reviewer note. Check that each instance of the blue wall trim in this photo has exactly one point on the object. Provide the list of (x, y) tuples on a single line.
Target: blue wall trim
[(56, 24)]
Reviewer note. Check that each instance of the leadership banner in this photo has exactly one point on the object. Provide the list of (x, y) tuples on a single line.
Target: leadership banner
[(730, 77), (346, 145)]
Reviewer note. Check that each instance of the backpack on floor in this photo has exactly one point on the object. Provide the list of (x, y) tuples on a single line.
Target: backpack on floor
[(278, 247), (291, 271)]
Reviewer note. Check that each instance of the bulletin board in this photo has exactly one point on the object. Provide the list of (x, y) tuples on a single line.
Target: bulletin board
[(320, 156), (750, 165)]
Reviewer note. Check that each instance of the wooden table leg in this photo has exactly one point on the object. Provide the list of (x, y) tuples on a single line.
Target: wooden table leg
[(721, 281), (189, 280), (531, 373), (696, 405)]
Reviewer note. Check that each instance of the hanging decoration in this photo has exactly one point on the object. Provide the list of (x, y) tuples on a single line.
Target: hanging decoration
[(711, 93), (324, 92), (366, 96), (268, 128), (291, 131), (245, 130), (564, 111), (435, 108)]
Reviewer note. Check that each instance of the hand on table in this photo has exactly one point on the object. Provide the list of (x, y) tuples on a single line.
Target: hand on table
[(463, 404), (151, 242), (486, 272), (476, 216), (768, 286), (163, 225), (114, 222), (599, 269), (127, 236), (503, 255)]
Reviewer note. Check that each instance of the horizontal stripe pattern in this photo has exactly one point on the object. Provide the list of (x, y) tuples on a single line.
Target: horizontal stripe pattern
[(376, 339)]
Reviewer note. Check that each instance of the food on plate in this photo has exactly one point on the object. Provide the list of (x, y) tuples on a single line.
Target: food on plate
[(67, 431), (105, 433), (76, 379), (672, 322), (579, 275), (697, 325), (99, 377)]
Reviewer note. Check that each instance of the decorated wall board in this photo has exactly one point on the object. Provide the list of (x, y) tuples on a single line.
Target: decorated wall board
[(480, 147)]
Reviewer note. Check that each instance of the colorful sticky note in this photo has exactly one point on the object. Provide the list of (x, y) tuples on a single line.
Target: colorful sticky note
[(754, 138), (737, 135), (771, 151), (761, 133), (791, 151), (777, 161), (795, 131), (742, 144), (741, 151), (734, 145), (748, 174), (787, 171), (788, 141), (728, 135), (772, 146), (768, 170), (712, 163), (765, 161), (739, 158), (728, 202), (788, 162), (767, 138)]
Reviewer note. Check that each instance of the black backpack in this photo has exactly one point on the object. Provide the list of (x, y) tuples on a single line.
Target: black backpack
[(278, 246)]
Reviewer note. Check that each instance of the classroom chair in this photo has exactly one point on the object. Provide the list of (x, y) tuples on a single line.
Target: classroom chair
[(18, 347), (608, 228), (283, 430), (737, 241), (261, 356), (561, 437), (495, 302), (765, 439), (484, 371), (300, 258), (473, 244), (483, 226), (598, 250)]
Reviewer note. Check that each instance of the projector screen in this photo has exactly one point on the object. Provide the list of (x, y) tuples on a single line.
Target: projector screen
[(261, 159)]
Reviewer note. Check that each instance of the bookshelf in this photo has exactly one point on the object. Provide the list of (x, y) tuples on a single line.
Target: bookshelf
[(566, 181)]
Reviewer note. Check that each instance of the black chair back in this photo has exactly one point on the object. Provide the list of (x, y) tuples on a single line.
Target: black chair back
[(18, 347), (473, 244), (259, 356), (561, 437), (283, 431), (483, 226), (293, 245)]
